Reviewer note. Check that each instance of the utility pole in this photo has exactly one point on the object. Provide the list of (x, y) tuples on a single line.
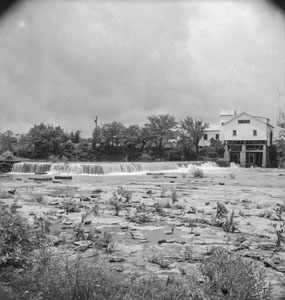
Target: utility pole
[(95, 133)]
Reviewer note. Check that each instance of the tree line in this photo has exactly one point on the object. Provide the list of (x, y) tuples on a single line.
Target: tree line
[(162, 137)]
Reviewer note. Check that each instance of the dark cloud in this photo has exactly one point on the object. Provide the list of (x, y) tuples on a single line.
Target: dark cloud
[(65, 62)]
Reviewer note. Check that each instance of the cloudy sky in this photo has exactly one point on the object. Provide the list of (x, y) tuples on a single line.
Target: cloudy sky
[(66, 61)]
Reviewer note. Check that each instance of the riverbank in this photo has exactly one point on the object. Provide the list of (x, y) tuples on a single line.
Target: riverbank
[(169, 217)]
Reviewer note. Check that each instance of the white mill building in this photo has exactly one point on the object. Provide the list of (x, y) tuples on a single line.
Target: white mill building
[(246, 137)]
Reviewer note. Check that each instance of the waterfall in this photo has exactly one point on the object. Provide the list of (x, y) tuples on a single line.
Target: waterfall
[(31, 167), (107, 168)]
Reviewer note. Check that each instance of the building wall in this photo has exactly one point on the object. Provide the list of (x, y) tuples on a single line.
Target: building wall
[(210, 134), (245, 131)]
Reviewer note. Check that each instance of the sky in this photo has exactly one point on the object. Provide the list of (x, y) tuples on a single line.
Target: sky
[(63, 62)]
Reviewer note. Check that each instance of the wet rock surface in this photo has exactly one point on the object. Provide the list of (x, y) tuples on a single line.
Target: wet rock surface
[(157, 230)]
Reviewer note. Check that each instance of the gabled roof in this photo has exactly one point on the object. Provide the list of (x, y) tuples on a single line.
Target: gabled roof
[(260, 119), (212, 127), (231, 112)]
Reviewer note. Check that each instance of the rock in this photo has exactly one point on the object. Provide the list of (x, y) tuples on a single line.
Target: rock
[(83, 198), (269, 263), (137, 235), (281, 269), (133, 212), (116, 259), (54, 203), (124, 226), (82, 245), (274, 217), (221, 183), (253, 255), (192, 210), (207, 203), (87, 222), (66, 223), (149, 192), (244, 245), (57, 181)]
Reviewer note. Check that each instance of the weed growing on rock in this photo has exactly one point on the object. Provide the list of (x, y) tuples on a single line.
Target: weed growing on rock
[(230, 225), (116, 203), (198, 173), (231, 277), (174, 196), (157, 258), (279, 211), (221, 211), (280, 234)]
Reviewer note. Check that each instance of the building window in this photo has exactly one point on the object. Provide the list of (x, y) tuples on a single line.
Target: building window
[(254, 132), (205, 137), (243, 121), (234, 133), (217, 136)]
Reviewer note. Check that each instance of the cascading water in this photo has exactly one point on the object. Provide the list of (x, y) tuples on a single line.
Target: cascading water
[(107, 168), (31, 167)]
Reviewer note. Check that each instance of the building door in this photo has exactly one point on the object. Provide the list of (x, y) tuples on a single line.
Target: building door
[(254, 159), (235, 157)]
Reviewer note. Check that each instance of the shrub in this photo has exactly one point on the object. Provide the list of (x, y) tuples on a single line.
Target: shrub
[(174, 196), (17, 240), (221, 211), (115, 202), (159, 209), (231, 277), (230, 225), (198, 173), (124, 193), (280, 233)]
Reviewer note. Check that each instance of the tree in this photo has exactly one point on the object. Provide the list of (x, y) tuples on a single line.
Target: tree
[(47, 140), (161, 129), (112, 133), (218, 146), (75, 136), (8, 141), (192, 131)]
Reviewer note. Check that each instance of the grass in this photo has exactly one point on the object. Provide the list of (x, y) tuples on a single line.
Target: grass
[(40, 274), (232, 277)]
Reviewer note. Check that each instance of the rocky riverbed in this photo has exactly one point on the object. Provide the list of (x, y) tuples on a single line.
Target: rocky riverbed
[(161, 222)]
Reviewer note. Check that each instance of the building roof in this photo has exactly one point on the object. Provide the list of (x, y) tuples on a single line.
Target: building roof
[(212, 127), (260, 119), (231, 112)]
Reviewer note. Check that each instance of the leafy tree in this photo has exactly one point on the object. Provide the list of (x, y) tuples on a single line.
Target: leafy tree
[(112, 133), (8, 141), (192, 131), (161, 129), (47, 140), (280, 142), (75, 136), (218, 146)]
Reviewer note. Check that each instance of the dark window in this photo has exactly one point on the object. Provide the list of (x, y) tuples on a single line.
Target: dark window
[(234, 133), (255, 132), (205, 137), (217, 136), (243, 121)]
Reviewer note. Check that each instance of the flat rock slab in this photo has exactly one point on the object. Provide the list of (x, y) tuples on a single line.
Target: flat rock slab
[(82, 245), (136, 235)]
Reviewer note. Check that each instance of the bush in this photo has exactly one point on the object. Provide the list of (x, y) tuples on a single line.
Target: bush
[(221, 211), (230, 225), (198, 173), (229, 276)]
